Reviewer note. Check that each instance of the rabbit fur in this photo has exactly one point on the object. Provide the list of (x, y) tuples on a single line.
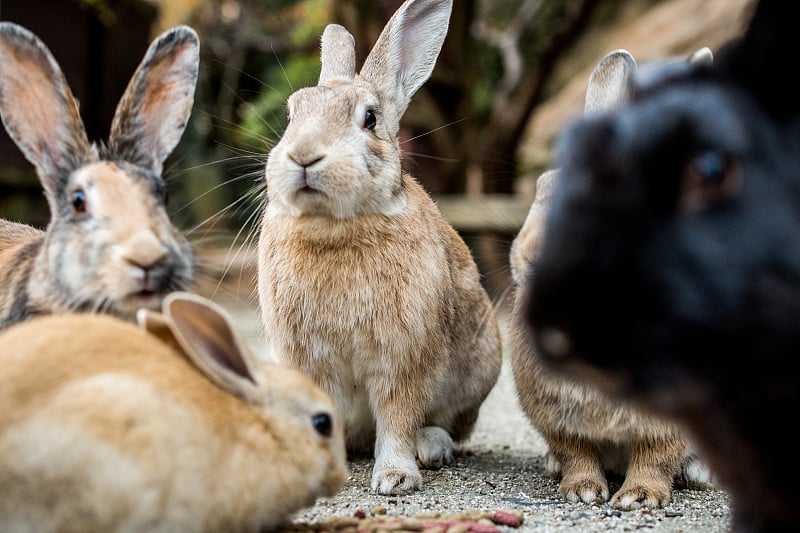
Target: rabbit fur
[(587, 433), (362, 283), (669, 272), (109, 246), (106, 426)]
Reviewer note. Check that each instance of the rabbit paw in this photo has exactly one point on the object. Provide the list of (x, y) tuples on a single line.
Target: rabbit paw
[(633, 496), (584, 489), (694, 474), (434, 447), (552, 467), (397, 480)]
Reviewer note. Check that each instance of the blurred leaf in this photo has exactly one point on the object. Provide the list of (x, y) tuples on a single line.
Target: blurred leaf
[(264, 118)]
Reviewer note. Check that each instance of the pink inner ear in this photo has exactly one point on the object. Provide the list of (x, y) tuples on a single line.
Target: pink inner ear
[(166, 83), (32, 110)]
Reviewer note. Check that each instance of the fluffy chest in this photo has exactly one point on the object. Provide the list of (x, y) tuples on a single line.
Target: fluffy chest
[(363, 291)]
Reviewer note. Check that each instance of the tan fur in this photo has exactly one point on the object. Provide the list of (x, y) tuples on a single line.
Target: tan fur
[(362, 283), (106, 428), (589, 435)]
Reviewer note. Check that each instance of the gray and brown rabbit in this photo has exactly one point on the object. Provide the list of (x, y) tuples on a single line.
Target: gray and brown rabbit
[(109, 246)]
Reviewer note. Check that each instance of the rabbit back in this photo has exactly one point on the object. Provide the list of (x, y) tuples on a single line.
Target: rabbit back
[(115, 431)]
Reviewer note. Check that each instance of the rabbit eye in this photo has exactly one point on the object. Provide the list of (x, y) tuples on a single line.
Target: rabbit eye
[(710, 177), (79, 201), (322, 424), (370, 119), (288, 117)]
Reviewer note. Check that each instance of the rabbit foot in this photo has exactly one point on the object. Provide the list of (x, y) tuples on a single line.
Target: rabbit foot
[(396, 480), (552, 466), (584, 489), (635, 496), (434, 447), (694, 474)]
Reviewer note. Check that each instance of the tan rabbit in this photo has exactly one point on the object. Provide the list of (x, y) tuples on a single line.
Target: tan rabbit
[(110, 246), (107, 427), (587, 433), (362, 283)]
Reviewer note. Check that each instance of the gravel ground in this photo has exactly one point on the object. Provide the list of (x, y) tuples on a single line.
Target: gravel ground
[(501, 467)]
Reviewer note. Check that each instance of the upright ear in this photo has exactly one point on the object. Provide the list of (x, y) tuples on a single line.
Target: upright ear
[(203, 330), (406, 50), (37, 107), (702, 57), (338, 56), (155, 108), (610, 82)]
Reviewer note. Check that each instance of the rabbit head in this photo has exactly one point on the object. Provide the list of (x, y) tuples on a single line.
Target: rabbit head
[(340, 155), (109, 245), (170, 427), (670, 266)]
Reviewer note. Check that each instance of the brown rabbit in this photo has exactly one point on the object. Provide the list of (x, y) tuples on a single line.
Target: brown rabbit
[(587, 433), (362, 283), (176, 429), (110, 246)]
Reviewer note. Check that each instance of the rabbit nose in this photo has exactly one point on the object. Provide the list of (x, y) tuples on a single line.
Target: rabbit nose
[(143, 250), (306, 160)]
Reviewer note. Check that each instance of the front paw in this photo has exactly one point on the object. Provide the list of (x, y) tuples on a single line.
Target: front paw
[(396, 480), (637, 495), (584, 489)]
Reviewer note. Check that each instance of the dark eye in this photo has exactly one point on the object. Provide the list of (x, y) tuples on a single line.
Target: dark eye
[(709, 167), (323, 424), (288, 117), (79, 201), (370, 120), (709, 178)]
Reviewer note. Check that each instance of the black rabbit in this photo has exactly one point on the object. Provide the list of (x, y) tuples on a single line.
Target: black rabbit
[(669, 272)]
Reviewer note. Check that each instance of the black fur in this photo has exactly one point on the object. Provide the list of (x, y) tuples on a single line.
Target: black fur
[(671, 260)]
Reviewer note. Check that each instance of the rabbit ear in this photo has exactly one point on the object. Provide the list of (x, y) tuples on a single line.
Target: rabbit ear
[(702, 57), (156, 324), (406, 50), (208, 340), (155, 108), (610, 82), (338, 55), (37, 107)]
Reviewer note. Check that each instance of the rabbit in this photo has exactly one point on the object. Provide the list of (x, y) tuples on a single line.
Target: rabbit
[(669, 272), (170, 426), (109, 246), (362, 283), (587, 433)]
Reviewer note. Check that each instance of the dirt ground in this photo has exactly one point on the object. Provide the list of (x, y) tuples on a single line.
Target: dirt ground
[(500, 467)]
